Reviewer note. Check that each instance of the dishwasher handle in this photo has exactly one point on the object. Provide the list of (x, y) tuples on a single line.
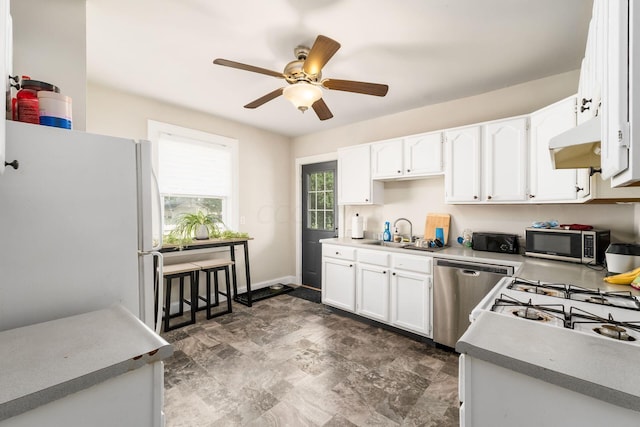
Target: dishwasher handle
[(478, 267), (472, 273)]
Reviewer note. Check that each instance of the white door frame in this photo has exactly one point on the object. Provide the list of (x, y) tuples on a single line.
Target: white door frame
[(298, 224)]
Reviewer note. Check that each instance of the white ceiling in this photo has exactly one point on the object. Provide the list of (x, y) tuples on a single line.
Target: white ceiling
[(427, 51)]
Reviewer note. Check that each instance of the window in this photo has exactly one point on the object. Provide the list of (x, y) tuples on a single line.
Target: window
[(196, 171), (320, 201)]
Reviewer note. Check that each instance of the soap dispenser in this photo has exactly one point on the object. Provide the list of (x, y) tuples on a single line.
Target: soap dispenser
[(386, 235)]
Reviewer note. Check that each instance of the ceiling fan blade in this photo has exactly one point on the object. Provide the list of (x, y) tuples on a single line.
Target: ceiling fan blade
[(241, 66), (357, 87), (321, 52), (321, 109), (264, 99)]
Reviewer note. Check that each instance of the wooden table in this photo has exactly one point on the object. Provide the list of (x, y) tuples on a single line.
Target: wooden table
[(218, 243)]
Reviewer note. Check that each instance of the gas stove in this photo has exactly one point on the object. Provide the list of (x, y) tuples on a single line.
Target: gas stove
[(609, 315)]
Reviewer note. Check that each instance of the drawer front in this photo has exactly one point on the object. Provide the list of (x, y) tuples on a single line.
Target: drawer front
[(374, 257), (340, 252), (419, 264)]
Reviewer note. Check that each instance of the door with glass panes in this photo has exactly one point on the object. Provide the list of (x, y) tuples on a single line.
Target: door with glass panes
[(319, 217)]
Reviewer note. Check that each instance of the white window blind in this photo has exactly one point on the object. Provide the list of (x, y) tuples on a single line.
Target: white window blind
[(189, 167)]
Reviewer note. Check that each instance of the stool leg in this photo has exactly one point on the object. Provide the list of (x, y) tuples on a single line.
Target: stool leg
[(193, 277), (208, 273), (226, 277), (167, 304), (181, 306)]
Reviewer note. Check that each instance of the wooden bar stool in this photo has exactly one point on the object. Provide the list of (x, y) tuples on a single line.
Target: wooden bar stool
[(180, 271), (213, 266)]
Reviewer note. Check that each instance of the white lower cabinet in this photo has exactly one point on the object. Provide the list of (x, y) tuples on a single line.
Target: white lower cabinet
[(339, 284), (411, 301), (339, 277), (388, 287)]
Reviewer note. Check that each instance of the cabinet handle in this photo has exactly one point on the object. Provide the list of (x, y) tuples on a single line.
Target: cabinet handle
[(531, 196), (586, 101), (384, 272), (578, 189), (475, 197), (583, 109), (408, 170), (489, 197), (350, 265), (399, 171), (393, 274), (337, 253), (14, 164), (366, 200)]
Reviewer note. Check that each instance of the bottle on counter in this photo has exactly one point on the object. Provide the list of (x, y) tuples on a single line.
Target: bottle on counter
[(386, 235)]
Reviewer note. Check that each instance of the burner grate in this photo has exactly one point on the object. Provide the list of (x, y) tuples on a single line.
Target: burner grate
[(608, 327)]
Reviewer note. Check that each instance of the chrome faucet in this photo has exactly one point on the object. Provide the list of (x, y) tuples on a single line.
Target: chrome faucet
[(410, 227)]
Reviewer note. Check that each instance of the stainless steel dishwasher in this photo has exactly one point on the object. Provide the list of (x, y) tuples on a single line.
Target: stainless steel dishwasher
[(458, 286)]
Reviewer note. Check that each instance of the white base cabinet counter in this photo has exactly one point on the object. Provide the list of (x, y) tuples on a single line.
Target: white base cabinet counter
[(339, 277), (372, 285), (412, 294), (384, 286)]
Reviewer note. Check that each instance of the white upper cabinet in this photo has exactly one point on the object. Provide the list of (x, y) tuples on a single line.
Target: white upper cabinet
[(545, 183), (462, 164), (615, 108), (591, 81), (487, 163), (423, 154), (505, 160), (410, 157), (387, 159), (355, 186)]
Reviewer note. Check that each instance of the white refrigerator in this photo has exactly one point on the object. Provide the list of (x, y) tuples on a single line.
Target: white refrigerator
[(75, 237), (75, 226)]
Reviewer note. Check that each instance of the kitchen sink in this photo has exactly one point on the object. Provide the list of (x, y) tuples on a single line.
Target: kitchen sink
[(419, 248), (387, 244), (402, 245)]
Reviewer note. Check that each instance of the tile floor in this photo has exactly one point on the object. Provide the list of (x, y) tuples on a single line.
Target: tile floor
[(290, 362)]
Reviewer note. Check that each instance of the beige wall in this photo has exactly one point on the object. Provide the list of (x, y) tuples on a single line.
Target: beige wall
[(414, 199), (264, 177)]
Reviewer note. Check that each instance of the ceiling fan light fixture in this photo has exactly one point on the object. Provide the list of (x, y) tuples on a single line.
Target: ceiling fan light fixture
[(302, 95)]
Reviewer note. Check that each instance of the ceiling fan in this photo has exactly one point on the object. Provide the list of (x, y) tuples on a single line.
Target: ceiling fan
[(305, 78)]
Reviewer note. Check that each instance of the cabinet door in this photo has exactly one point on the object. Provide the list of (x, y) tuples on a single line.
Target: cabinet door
[(615, 98), (546, 183), (423, 154), (462, 164), (339, 284), (386, 159), (373, 292), (505, 160), (411, 302), (354, 177)]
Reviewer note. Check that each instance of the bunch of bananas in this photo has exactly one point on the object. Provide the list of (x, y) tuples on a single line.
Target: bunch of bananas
[(623, 278)]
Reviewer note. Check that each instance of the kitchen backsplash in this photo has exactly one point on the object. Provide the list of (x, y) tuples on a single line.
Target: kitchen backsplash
[(414, 199)]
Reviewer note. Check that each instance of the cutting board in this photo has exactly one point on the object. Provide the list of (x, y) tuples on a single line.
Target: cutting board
[(435, 220)]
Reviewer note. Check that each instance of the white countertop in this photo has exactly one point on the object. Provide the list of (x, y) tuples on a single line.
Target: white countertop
[(47, 361), (563, 357)]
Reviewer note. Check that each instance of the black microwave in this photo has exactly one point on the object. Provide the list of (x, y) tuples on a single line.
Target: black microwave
[(581, 246)]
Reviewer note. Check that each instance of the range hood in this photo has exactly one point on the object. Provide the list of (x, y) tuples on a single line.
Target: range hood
[(578, 147)]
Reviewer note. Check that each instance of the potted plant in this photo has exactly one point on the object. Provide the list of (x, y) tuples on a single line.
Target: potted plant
[(199, 225)]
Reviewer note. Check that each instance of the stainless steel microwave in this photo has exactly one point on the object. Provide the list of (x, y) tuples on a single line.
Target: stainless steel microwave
[(585, 247)]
